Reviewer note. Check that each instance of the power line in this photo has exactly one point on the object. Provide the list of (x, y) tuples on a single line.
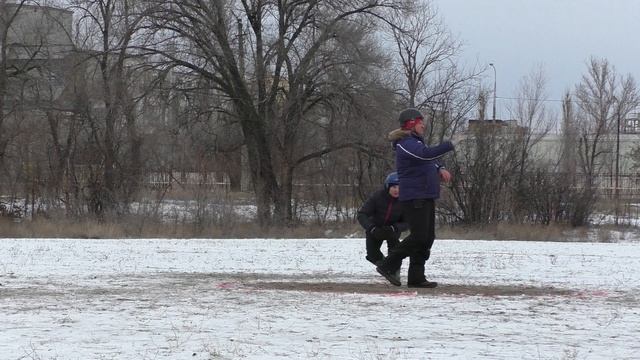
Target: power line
[(517, 98)]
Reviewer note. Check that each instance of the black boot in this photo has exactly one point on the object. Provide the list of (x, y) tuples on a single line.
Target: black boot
[(426, 284), (392, 276), (375, 262)]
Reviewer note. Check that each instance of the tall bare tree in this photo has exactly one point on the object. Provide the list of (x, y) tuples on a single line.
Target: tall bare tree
[(425, 48), (277, 81), (430, 78), (531, 114), (595, 96), (576, 199), (602, 96), (107, 30), (35, 42), (498, 159), (8, 68)]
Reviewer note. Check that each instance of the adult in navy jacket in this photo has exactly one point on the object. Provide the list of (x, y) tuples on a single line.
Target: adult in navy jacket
[(419, 174), (382, 219)]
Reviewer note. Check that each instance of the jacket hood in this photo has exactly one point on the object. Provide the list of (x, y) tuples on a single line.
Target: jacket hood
[(398, 134)]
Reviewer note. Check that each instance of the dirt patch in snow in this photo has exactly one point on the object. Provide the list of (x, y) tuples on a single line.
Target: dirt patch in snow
[(316, 283), (327, 283), (136, 286), (442, 289)]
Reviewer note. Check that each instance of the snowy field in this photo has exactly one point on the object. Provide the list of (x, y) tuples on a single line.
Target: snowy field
[(269, 299)]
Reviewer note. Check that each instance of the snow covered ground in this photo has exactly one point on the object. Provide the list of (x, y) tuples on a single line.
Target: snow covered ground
[(317, 298)]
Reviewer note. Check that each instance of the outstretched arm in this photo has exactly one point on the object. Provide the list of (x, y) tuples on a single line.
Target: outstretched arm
[(420, 151)]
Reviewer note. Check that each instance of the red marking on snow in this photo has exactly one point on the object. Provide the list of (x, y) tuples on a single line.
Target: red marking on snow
[(225, 285), (402, 294), (591, 294)]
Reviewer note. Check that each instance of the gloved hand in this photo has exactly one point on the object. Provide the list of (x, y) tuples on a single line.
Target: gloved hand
[(392, 231), (384, 232), (376, 231)]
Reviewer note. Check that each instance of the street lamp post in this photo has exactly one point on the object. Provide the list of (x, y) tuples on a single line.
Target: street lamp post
[(494, 91), (617, 189)]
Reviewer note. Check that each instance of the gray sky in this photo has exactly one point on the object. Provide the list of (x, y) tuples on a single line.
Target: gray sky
[(559, 35)]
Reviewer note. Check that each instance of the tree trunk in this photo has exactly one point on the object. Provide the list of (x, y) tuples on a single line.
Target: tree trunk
[(263, 177), (283, 210)]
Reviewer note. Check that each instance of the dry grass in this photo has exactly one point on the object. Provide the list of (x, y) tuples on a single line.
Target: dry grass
[(73, 229), (141, 227), (144, 228), (515, 232), (189, 194)]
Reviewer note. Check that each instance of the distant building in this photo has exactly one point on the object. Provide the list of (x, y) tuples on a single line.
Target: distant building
[(38, 47), (549, 151), (631, 125), (36, 32), (504, 126)]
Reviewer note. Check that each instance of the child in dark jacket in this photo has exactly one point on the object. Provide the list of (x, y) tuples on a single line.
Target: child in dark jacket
[(382, 219)]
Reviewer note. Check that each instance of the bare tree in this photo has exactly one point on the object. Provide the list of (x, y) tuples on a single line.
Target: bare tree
[(574, 199), (595, 96), (626, 100), (430, 78), (107, 30), (602, 97), (35, 43), (531, 114), (275, 85), (496, 164), (425, 47), (10, 67), (529, 200)]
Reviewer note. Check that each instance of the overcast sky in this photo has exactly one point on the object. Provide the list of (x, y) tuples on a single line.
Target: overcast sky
[(561, 35)]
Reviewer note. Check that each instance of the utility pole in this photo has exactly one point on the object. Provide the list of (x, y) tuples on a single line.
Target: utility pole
[(617, 189), (494, 91)]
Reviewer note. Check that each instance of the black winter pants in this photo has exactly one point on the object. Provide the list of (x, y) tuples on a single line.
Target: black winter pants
[(374, 244), (420, 214)]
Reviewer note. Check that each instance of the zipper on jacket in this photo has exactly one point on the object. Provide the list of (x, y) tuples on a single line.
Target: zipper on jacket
[(388, 214)]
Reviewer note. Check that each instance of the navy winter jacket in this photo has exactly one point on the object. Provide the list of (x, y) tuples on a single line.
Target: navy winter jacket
[(381, 209), (417, 166)]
